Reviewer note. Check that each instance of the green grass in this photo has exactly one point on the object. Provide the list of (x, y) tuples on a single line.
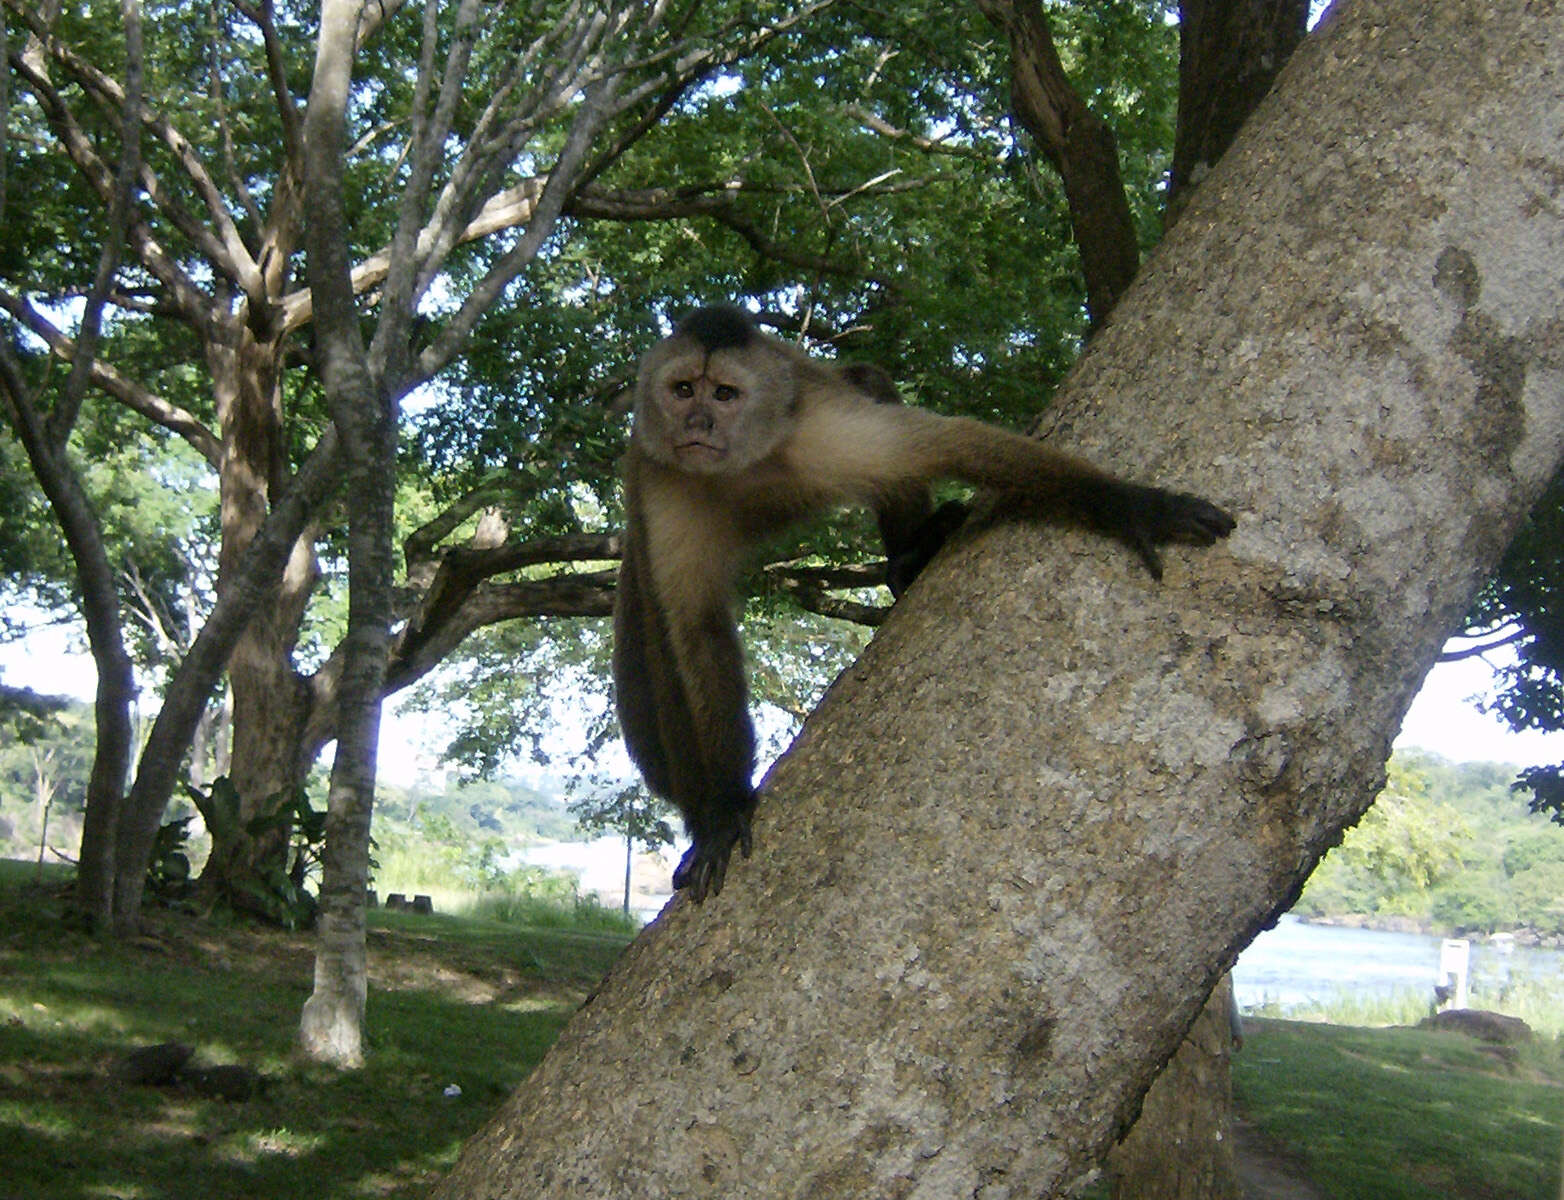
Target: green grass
[(1535, 1001), (467, 1002), (1405, 1114), (1372, 1114)]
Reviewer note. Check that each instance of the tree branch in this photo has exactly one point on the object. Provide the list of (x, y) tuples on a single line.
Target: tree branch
[(78, 147), (1078, 144), (126, 391), (226, 250), (1512, 638), (66, 409)]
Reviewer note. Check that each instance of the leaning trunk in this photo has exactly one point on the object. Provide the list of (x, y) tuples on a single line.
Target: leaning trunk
[(96, 878), (963, 950)]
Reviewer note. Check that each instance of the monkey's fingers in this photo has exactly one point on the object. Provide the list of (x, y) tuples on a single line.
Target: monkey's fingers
[(1144, 545), (1200, 521), (704, 867)]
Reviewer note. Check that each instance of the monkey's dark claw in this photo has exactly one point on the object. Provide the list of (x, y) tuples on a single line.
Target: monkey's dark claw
[(704, 867), (1146, 517)]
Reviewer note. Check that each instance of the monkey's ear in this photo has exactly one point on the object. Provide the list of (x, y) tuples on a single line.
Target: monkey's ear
[(872, 382)]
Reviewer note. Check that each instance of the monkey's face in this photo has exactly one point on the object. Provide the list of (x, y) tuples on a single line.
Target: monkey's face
[(712, 412)]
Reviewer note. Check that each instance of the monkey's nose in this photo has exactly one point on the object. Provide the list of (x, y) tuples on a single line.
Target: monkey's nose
[(699, 421)]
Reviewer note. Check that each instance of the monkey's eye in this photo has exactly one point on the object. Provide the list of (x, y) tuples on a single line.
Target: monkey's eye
[(725, 393), (684, 389)]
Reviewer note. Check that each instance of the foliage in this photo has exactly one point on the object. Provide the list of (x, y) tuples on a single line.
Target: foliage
[(1533, 999), (278, 892), (533, 911), (1521, 608), (631, 811), (857, 178), (46, 747), (168, 875), (1448, 845)]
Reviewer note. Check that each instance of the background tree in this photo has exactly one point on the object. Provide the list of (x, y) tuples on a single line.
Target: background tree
[(1518, 619), (214, 238), (632, 812), (950, 970)]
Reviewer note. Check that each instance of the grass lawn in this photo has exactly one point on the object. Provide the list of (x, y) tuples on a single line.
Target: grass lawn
[(1368, 1114), (468, 1003), (1406, 1113)]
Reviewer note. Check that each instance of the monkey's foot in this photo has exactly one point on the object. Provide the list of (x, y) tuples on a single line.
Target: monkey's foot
[(704, 866)]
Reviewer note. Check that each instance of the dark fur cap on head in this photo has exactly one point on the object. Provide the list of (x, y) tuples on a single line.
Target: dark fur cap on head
[(719, 327)]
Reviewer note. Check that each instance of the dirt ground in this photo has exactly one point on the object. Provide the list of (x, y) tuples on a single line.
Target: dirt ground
[(1266, 1174)]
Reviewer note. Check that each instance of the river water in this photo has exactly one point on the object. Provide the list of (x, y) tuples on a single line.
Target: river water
[(1294, 963), (1298, 962)]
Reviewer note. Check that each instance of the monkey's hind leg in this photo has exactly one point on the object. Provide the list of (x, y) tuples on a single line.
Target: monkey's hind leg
[(714, 832)]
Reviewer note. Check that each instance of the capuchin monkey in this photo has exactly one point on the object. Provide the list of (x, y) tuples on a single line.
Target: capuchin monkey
[(737, 435)]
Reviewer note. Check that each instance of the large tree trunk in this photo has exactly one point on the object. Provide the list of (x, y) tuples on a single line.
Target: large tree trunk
[(965, 947), (1181, 1146), (270, 698), (186, 698)]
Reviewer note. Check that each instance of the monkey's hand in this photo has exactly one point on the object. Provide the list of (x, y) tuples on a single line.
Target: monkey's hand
[(1145, 517), (704, 866)]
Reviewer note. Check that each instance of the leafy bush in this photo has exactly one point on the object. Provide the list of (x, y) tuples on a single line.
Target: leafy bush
[(1474, 902)]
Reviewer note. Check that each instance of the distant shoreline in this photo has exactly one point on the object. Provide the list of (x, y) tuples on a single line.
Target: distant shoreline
[(1521, 935)]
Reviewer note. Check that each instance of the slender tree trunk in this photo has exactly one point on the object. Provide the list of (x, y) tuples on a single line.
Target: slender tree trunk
[(45, 443), (116, 687), (331, 1026), (963, 950)]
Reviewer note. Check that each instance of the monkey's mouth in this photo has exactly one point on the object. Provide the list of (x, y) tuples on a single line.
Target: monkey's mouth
[(700, 450)]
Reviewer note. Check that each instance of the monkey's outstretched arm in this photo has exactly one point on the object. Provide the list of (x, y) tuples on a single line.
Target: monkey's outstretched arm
[(867, 451)]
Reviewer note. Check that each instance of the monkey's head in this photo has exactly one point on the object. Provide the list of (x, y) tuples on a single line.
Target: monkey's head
[(715, 396)]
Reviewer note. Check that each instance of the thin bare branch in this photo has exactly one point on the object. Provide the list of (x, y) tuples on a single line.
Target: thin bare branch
[(68, 405), (129, 393), (388, 353), (1515, 636), (562, 180)]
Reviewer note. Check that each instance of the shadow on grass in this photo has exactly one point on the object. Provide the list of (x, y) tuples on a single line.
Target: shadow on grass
[(458, 1014)]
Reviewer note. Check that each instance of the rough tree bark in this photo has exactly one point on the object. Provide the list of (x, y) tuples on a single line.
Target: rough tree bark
[(1229, 56), (963, 950), (1182, 1144), (331, 1027)]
